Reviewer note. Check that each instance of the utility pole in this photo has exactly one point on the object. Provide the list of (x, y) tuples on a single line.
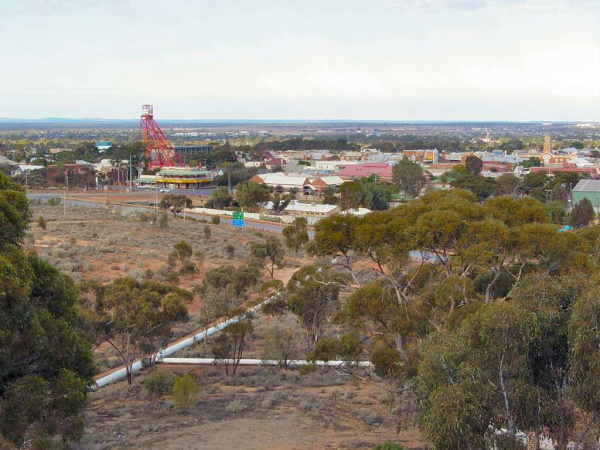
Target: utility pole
[(66, 195), (130, 175), (156, 199)]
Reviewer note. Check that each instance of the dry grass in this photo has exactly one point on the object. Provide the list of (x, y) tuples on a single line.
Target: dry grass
[(119, 416)]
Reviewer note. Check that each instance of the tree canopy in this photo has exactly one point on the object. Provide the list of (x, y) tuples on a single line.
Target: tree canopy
[(46, 363), (408, 177), (481, 305), (175, 203)]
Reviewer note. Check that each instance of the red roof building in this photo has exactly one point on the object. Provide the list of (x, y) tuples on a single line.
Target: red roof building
[(590, 171), (383, 171), (275, 162)]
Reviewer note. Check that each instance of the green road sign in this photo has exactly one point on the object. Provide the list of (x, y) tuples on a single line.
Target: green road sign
[(238, 219)]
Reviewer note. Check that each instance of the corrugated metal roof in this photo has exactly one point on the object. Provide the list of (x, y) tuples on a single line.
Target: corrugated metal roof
[(587, 186), (176, 172), (310, 208), (282, 179)]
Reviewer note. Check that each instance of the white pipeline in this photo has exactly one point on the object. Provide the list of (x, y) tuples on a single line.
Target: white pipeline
[(262, 362), (137, 366)]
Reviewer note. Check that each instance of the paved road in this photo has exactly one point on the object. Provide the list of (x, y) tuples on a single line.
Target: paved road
[(204, 191), (100, 204), (269, 227)]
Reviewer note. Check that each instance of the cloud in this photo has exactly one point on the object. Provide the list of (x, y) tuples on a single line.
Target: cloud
[(402, 59)]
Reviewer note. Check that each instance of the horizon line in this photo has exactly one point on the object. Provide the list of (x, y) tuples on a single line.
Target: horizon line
[(17, 120)]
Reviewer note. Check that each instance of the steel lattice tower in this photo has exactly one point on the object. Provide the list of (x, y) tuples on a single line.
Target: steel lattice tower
[(158, 148)]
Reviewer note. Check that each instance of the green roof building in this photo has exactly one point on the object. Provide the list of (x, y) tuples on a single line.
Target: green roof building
[(589, 189)]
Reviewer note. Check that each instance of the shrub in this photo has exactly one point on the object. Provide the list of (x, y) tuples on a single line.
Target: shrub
[(185, 392), (367, 416), (306, 405), (137, 274), (229, 251), (187, 267), (389, 445), (215, 220), (41, 222), (158, 384), (163, 221), (236, 406), (307, 369), (172, 277), (273, 398)]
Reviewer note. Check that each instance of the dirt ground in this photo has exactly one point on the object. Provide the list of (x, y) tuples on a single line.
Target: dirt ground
[(103, 244), (274, 409), (259, 408)]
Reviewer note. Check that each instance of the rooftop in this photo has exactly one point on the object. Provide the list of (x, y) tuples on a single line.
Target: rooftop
[(587, 186), (310, 207), (180, 172)]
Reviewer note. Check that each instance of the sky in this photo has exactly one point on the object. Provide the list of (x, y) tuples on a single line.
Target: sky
[(515, 60)]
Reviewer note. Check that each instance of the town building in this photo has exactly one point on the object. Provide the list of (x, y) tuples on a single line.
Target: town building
[(589, 189), (194, 150), (317, 185), (316, 210), (382, 170), (424, 156), (103, 145), (286, 181), (183, 178), (300, 184)]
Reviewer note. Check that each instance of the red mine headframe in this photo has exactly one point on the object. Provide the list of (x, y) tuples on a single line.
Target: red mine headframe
[(158, 148)]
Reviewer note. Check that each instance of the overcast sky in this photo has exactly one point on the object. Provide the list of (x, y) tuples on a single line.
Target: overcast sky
[(302, 59)]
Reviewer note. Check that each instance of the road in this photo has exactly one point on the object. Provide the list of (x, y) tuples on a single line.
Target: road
[(100, 203), (258, 225)]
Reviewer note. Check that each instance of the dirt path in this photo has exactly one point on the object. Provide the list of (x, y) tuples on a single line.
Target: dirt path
[(279, 429)]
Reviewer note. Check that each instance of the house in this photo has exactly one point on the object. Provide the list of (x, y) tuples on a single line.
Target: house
[(358, 212), (317, 185), (302, 184), (383, 171), (274, 162), (286, 181), (591, 172), (331, 165), (316, 210), (422, 156), (351, 156), (23, 168), (589, 189), (437, 169)]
